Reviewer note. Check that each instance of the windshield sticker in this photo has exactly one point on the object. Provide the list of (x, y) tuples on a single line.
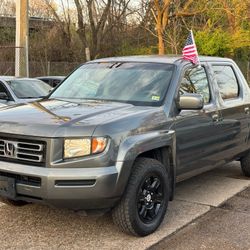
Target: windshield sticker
[(155, 98)]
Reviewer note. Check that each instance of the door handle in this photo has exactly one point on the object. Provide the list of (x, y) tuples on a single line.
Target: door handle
[(215, 117), (246, 110)]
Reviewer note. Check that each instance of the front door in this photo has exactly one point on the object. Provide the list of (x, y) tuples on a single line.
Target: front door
[(197, 131)]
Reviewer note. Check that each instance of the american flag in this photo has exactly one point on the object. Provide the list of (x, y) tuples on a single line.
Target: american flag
[(189, 51)]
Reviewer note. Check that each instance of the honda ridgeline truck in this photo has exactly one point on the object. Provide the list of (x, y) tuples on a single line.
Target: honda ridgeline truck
[(118, 133)]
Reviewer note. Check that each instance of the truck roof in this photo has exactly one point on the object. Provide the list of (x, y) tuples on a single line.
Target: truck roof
[(158, 59)]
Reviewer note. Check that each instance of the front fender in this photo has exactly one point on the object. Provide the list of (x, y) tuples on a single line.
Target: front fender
[(135, 145)]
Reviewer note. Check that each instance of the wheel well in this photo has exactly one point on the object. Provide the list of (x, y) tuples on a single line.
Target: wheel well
[(165, 156)]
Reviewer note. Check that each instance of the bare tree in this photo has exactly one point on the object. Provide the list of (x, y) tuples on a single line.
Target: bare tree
[(98, 16), (39, 8), (81, 31), (63, 21), (7, 7), (163, 10)]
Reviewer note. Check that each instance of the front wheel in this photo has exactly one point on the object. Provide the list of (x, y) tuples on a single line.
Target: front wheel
[(144, 203)]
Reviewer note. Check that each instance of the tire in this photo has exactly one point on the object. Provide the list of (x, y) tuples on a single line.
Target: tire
[(145, 200), (245, 164)]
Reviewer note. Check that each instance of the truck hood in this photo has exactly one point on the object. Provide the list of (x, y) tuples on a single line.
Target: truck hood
[(55, 118)]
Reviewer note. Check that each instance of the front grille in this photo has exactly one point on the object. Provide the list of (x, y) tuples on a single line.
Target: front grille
[(22, 150)]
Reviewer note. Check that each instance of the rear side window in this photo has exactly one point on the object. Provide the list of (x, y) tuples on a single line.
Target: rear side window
[(195, 81), (227, 82)]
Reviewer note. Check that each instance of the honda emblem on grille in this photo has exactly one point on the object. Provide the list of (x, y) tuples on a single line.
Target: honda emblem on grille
[(9, 149)]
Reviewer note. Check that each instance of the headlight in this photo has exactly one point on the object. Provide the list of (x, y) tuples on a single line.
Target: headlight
[(83, 147), (76, 147)]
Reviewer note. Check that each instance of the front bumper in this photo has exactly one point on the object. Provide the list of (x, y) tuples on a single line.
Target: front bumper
[(74, 188)]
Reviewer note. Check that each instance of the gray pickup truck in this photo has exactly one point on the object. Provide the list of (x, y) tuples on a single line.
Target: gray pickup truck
[(118, 133)]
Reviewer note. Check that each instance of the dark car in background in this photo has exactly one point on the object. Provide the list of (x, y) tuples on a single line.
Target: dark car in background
[(53, 81), (21, 90)]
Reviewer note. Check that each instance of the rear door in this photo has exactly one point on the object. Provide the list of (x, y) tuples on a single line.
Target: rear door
[(197, 131), (234, 111)]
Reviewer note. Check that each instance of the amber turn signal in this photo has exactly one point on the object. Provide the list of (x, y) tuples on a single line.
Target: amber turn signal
[(98, 144)]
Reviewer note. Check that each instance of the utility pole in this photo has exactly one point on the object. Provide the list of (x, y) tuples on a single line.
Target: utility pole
[(22, 34)]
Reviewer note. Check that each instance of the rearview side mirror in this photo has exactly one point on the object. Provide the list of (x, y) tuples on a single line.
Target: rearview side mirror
[(4, 96), (190, 101)]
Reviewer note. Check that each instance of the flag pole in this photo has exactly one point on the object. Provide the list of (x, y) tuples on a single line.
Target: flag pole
[(199, 63)]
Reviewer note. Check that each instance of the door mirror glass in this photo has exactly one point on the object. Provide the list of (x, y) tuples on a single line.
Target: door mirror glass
[(190, 101), (4, 96)]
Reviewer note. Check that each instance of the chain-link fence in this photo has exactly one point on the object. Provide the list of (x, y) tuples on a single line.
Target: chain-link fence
[(36, 68), (8, 66), (47, 68), (51, 68), (40, 68), (7, 60)]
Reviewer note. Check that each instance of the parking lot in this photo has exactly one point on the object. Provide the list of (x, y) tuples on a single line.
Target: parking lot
[(226, 227), (39, 227)]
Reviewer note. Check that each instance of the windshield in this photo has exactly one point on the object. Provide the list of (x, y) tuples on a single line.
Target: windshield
[(136, 83), (29, 88)]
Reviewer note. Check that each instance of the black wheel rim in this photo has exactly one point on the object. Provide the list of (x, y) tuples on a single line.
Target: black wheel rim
[(150, 198)]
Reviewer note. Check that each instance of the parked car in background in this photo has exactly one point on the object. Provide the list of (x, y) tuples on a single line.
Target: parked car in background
[(21, 90), (53, 81)]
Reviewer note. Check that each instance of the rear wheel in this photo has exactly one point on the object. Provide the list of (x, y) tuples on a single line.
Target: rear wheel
[(245, 164), (144, 203)]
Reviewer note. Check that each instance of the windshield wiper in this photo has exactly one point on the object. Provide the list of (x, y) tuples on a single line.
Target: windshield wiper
[(115, 65), (30, 97)]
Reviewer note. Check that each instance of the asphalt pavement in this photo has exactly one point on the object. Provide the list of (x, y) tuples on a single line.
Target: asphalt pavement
[(201, 210), (225, 227)]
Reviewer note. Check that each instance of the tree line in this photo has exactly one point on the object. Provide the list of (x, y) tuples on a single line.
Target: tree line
[(131, 27)]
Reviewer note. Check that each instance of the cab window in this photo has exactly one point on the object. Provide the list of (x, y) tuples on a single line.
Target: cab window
[(195, 81), (227, 82)]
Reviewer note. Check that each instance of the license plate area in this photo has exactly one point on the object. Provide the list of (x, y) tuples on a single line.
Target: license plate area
[(7, 187)]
